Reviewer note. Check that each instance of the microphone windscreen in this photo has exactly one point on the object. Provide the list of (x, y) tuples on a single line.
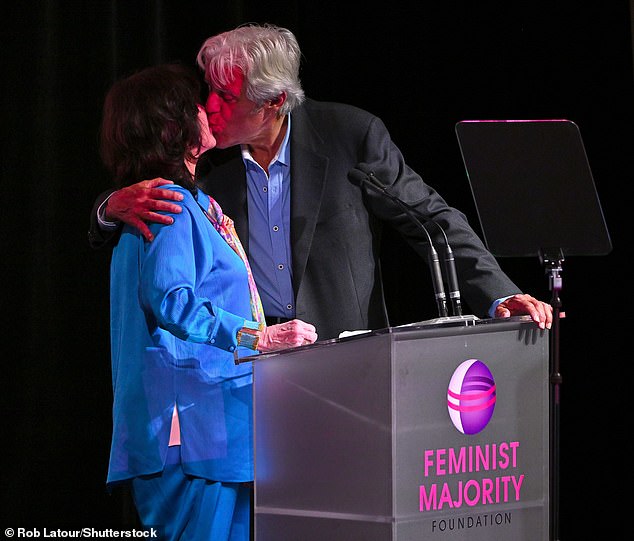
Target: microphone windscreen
[(357, 177), (365, 168)]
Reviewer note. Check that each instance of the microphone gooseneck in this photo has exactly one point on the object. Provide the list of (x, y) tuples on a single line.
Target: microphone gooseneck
[(449, 261), (359, 177)]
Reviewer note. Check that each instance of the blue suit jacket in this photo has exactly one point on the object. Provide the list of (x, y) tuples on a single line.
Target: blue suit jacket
[(176, 306)]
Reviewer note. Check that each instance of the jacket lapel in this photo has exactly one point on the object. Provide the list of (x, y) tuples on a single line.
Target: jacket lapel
[(223, 177), (308, 177)]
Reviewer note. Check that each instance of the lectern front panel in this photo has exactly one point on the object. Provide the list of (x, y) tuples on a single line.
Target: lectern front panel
[(471, 436), (417, 433)]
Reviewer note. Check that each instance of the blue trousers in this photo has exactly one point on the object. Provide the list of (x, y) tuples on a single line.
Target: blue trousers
[(184, 508)]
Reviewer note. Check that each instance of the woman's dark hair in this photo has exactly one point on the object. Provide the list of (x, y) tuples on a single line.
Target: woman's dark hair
[(150, 125)]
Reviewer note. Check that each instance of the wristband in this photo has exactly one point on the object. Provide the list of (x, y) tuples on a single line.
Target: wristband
[(249, 334)]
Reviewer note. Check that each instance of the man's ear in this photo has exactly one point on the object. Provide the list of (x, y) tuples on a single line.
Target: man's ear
[(278, 101)]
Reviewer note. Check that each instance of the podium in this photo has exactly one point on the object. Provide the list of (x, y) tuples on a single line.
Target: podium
[(421, 432)]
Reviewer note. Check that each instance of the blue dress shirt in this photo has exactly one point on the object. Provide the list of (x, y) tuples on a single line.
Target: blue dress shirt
[(269, 207)]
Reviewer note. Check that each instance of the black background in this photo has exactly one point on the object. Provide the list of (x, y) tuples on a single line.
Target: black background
[(422, 67)]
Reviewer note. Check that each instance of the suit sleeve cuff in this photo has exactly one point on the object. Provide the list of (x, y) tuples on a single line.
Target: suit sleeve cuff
[(495, 304)]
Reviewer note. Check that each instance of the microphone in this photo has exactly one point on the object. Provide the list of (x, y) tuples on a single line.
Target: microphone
[(359, 177), (450, 268), (450, 262)]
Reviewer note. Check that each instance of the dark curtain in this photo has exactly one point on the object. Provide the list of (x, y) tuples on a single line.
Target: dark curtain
[(420, 66)]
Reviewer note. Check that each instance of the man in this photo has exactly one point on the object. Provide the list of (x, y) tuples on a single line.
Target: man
[(289, 179)]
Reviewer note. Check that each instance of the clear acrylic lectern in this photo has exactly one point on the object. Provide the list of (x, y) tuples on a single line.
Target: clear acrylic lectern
[(374, 437)]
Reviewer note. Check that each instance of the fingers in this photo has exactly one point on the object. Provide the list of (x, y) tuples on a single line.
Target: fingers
[(501, 311), (141, 224), (301, 333), (174, 208), (299, 326), (545, 312), (148, 211), (540, 312), (155, 192), (522, 304), (157, 218), (155, 182), (158, 194), (144, 230)]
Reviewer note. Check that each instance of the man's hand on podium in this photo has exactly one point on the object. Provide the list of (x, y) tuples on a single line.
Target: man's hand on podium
[(523, 304)]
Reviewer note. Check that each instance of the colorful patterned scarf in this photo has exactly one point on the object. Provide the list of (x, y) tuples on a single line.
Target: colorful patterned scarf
[(224, 225)]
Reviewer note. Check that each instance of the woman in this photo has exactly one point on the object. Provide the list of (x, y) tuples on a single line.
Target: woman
[(182, 306)]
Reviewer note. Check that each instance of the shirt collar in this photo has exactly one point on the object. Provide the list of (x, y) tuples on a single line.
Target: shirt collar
[(283, 152)]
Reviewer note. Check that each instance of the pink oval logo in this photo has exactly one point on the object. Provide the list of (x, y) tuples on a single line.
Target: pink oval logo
[(471, 396)]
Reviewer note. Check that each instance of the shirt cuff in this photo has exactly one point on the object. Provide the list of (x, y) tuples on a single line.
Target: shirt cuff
[(495, 304), (101, 216)]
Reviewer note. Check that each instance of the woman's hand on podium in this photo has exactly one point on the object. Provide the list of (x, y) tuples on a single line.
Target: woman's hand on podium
[(293, 333)]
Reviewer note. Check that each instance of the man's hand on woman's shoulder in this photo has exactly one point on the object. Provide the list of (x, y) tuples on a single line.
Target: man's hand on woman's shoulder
[(138, 204)]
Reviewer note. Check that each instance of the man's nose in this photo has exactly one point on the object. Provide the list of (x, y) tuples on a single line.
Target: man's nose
[(212, 104)]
